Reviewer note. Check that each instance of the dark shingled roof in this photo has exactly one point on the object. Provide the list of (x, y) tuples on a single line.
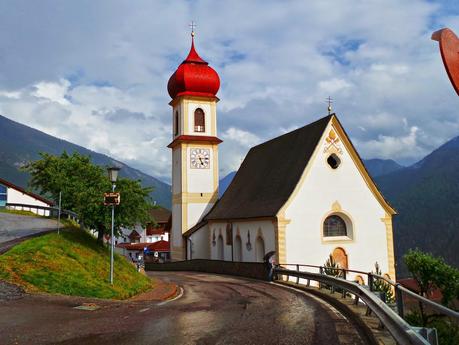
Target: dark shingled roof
[(160, 214), (269, 174)]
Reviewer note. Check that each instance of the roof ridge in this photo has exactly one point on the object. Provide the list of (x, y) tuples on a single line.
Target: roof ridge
[(280, 137)]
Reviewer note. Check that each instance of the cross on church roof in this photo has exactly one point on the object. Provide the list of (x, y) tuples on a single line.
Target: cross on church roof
[(192, 26), (329, 101)]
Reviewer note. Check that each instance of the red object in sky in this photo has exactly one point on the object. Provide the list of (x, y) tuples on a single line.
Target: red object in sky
[(194, 77), (449, 49)]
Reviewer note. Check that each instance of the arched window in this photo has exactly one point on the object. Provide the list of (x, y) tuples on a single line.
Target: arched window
[(199, 120), (220, 252), (238, 249), (334, 225), (176, 124), (259, 249)]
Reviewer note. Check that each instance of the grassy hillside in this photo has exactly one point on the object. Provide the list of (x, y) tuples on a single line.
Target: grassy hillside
[(72, 264)]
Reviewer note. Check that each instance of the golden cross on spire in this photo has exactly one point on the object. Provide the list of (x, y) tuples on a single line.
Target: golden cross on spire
[(192, 26), (329, 101)]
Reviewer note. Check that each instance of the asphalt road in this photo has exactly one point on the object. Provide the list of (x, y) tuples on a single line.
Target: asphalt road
[(13, 226), (212, 310)]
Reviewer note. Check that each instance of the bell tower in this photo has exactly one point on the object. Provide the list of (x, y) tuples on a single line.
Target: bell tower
[(193, 88)]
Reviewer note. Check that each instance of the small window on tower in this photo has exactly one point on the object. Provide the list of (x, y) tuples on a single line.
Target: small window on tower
[(199, 120), (176, 124)]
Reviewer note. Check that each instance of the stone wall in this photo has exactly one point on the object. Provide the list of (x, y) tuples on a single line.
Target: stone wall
[(253, 270)]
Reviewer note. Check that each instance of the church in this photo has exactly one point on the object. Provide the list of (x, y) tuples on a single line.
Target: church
[(304, 195)]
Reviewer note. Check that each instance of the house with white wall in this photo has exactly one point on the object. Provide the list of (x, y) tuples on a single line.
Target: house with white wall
[(15, 197)]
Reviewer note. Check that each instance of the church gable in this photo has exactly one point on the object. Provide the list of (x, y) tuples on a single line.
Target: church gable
[(269, 174), (341, 137), (333, 150)]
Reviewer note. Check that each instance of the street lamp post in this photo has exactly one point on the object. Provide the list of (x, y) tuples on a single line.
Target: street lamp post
[(113, 176)]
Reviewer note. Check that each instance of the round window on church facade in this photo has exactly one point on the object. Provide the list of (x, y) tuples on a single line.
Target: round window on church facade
[(333, 161)]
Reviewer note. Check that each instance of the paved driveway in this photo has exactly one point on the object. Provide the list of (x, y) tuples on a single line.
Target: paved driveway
[(213, 310), (13, 226)]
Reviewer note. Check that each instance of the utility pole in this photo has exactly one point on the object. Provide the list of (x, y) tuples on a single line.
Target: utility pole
[(59, 213)]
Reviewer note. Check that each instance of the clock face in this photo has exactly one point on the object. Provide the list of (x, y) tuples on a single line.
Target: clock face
[(200, 158)]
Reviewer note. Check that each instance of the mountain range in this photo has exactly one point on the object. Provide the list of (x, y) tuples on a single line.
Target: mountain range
[(20, 144), (425, 194)]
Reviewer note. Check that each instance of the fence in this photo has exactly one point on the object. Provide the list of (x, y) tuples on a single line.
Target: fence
[(43, 210), (402, 332)]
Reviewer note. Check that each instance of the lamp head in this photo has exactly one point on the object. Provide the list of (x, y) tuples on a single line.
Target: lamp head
[(113, 173)]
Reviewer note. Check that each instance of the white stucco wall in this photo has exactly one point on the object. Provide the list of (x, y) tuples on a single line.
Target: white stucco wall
[(16, 197), (198, 247), (206, 107), (323, 190), (176, 230), (256, 228), (176, 170), (196, 211), (200, 180)]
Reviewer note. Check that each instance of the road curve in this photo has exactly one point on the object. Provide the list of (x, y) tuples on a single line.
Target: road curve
[(214, 309)]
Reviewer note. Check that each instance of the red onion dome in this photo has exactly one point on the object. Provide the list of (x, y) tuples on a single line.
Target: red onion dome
[(193, 77)]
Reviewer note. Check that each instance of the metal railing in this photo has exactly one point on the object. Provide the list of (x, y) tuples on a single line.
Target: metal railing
[(402, 332), (45, 211)]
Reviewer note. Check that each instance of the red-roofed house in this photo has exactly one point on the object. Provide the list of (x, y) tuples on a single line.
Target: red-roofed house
[(151, 241)]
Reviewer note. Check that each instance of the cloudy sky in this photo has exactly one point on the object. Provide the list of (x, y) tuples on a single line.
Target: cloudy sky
[(95, 72)]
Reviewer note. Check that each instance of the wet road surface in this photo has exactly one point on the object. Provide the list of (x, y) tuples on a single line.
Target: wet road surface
[(213, 309), (14, 226)]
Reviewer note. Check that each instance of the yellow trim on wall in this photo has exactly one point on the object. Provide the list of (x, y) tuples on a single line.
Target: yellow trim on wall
[(195, 198), (280, 238), (358, 162), (300, 183), (215, 167), (177, 253), (387, 220), (213, 126)]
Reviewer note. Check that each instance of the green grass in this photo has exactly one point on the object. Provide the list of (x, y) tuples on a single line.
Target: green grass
[(71, 263)]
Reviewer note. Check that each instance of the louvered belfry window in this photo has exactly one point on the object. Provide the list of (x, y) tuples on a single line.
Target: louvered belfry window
[(176, 130), (199, 120), (334, 226)]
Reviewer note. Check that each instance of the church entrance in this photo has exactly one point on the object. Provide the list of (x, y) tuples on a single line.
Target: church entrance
[(220, 253), (259, 249), (238, 249)]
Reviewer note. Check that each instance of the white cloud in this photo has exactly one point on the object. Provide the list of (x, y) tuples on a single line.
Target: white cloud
[(385, 146), (241, 137), (96, 73), (333, 85), (52, 91)]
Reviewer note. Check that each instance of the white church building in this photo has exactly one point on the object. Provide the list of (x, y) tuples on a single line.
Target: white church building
[(305, 194)]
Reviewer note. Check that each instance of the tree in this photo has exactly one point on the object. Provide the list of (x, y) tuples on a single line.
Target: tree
[(382, 286), (432, 273), (83, 184)]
